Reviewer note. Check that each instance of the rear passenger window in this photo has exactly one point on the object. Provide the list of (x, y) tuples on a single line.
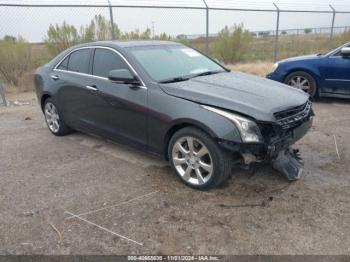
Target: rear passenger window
[(64, 64), (79, 61), (105, 61)]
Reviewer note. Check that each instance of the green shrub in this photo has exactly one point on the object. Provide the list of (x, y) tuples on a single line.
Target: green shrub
[(232, 43), (15, 59)]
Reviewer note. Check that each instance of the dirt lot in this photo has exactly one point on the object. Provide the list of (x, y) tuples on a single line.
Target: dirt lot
[(133, 195)]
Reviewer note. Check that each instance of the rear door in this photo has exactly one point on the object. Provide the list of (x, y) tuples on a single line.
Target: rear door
[(336, 72), (73, 97)]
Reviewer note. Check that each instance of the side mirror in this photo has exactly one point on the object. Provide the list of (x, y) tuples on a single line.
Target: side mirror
[(123, 76), (345, 51)]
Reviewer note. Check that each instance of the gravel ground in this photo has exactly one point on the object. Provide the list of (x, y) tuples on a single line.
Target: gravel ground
[(136, 205)]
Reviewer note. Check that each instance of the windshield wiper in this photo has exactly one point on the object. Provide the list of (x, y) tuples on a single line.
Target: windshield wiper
[(185, 78), (174, 80), (207, 73)]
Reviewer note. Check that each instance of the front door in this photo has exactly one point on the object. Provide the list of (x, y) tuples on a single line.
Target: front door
[(336, 72), (120, 110)]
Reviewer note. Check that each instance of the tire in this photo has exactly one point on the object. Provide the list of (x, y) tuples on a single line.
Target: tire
[(310, 85), (214, 167), (54, 119)]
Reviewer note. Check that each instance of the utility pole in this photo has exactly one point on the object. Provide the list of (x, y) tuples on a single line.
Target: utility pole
[(111, 19), (332, 28), (277, 33), (207, 27), (2, 95)]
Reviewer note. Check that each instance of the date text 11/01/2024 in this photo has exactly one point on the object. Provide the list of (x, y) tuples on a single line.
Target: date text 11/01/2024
[(173, 258)]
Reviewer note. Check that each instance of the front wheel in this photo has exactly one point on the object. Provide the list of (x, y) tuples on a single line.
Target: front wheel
[(303, 81), (198, 160)]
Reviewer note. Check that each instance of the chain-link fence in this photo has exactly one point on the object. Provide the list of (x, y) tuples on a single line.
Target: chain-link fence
[(197, 21), (231, 31)]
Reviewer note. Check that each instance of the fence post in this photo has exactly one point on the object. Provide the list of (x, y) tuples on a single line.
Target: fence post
[(277, 33), (2, 95), (332, 28), (207, 27), (111, 19)]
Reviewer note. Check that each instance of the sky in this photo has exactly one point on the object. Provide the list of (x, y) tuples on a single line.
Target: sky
[(33, 22)]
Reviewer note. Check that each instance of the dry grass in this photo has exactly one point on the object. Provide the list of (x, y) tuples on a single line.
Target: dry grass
[(260, 68), (25, 84)]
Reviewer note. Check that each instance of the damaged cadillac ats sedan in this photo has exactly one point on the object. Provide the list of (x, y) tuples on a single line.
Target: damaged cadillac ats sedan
[(173, 101)]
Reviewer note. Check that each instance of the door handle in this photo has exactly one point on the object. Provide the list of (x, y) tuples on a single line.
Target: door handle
[(92, 88), (54, 77)]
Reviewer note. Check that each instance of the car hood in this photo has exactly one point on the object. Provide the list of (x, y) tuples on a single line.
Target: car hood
[(300, 58), (243, 93)]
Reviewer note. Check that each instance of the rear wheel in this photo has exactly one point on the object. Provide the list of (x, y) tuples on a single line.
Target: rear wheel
[(303, 81), (198, 160), (54, 119)]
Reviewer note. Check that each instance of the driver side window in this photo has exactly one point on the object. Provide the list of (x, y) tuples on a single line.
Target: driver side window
[(106, 60)]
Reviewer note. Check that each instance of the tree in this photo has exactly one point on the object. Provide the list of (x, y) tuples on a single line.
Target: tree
[(136, 34), (163, 36), (284, 33), (59, 38), (99, 29), (10, 38), (232, 43), (264, 33), (307, 30)]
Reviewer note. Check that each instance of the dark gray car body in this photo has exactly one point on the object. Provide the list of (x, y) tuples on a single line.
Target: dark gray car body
[(146, 116)]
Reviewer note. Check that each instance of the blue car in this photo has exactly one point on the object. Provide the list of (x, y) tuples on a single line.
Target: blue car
[(324, 75)]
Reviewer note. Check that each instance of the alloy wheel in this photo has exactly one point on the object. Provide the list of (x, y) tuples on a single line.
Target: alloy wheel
[(192, 160), (52, 117), (300, 82)]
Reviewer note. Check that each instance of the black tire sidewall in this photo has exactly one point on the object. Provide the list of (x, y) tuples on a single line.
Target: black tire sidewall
[(310, 78), (215, 152), (63, 128)]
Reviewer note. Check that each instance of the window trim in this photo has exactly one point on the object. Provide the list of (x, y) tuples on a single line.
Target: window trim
[(69, 58), (90, 73), (66, 57)]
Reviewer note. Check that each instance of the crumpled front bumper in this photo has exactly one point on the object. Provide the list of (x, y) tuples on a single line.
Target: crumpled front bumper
[(283, 143), (288, 162), (268, 151), (277, 151)]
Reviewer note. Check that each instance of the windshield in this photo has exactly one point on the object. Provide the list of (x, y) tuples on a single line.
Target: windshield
[(167, 62)]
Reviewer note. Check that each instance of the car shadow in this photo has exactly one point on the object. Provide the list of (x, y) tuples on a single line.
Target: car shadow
[(330, 100), (256, 180)]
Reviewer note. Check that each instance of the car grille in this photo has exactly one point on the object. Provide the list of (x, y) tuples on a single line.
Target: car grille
[(293, 117)]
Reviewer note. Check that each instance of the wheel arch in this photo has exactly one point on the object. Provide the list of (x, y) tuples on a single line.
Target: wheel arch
[(43, 98), (180, 124)]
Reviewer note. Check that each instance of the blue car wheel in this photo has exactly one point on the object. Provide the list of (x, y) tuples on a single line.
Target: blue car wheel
[(302, 80)]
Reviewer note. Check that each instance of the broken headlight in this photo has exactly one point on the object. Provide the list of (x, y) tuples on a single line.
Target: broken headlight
[(249, 130)]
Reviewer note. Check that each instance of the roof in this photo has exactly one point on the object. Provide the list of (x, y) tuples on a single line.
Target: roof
[(132, 43)]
